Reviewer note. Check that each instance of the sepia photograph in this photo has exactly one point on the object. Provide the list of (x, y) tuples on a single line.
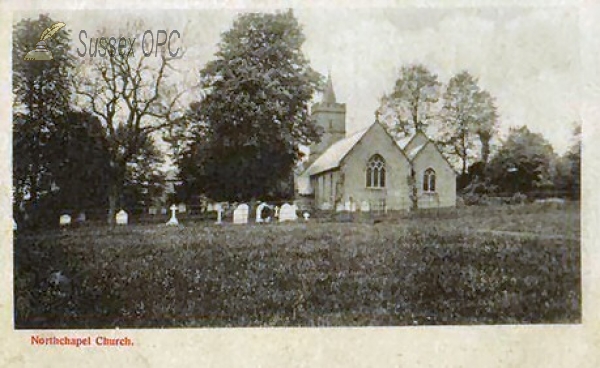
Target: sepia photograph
[(296, 167)]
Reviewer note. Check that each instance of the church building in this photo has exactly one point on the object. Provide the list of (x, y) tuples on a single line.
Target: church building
[(369, 168)]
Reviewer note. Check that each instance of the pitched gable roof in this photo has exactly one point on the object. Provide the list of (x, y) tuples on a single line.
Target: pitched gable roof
[(331, 158)]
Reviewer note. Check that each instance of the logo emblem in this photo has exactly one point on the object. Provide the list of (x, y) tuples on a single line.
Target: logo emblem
[(41, 52)]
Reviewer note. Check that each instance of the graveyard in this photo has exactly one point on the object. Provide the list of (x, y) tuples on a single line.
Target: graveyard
[(287, 267)]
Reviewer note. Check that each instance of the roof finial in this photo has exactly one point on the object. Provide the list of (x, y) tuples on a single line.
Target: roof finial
[(329, 94)]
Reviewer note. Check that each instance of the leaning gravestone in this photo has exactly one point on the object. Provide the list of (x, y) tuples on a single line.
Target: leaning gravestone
[(121, 217), (287, 213), (240, 214), (65, 220)]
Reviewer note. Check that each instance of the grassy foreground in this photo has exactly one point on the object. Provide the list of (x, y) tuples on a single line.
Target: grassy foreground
[(513, 266)]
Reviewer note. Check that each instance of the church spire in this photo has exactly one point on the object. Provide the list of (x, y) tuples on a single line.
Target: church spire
[(329, 94)]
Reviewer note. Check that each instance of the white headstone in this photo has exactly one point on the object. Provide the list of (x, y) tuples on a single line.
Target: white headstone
[(240, 215), (173, 220), (365, 206), (219, 210), (306, 216), (163, 211), (65, 220), (152, 211), (210, 207), (181, 208), (287, 213), (276, 212), (14, 225), (259, 210), (340, 207), (326, 206), (121, 217)]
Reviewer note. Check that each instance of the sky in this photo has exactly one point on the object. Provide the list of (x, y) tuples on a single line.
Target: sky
[(527, 58)]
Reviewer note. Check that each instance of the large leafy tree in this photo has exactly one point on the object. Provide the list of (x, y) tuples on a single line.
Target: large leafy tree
[(567, 175), (134, 97), (523, 163), (255, 111), (469, 118), (412, 104), (40, 102)]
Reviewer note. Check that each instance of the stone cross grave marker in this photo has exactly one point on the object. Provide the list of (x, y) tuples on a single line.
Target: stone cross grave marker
[(173, 220), (240, 215), (65, 220), (287, 213), (122, 217)]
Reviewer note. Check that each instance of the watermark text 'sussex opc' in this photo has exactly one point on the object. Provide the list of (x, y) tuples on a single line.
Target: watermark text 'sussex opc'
[(125, 47)]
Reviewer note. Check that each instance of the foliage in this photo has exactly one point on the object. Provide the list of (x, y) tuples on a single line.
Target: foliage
[(411, 106), (567, 174), (41, 99), (134, 98), (468, 114), (462, 270), (255, 111), (523, 162)]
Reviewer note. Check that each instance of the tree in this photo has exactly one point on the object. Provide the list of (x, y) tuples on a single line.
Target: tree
[(411, 106), (41, 93), (256, 109), (568, 167), (523, 162), (132, 97), (468, 114)]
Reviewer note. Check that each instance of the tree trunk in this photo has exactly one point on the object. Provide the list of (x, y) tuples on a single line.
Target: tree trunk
[(113, 196)]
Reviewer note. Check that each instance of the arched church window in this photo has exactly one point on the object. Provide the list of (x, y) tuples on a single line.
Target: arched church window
[(429, 181), (376, 172)]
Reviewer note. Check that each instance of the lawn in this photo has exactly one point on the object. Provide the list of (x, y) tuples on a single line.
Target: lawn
[(499, 265)]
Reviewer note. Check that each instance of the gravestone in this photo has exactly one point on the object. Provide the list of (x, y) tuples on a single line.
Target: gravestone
[(163, 211), (350, 206), (173, 220), (365, 206), (276, 212), (14, 225), (287, 213), (340, 207), (152, 211), (240, 214), (210, 207), (219, 210), (326, 206), (306, 216), (65, 220), (259, 212), (122, 217), (181, 208)]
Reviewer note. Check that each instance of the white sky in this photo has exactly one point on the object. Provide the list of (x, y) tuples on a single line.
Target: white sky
[(527, 58)]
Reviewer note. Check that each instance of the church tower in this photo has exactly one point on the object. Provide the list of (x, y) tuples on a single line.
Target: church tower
[(330, 116)]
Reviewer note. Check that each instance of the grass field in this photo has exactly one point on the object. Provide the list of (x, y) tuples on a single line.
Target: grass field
[(507, 264)]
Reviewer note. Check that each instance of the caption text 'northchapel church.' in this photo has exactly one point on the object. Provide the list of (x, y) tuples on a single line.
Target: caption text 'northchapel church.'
[(369, 168)]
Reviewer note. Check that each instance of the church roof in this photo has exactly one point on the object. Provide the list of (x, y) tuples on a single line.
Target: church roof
[(331, 158)]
